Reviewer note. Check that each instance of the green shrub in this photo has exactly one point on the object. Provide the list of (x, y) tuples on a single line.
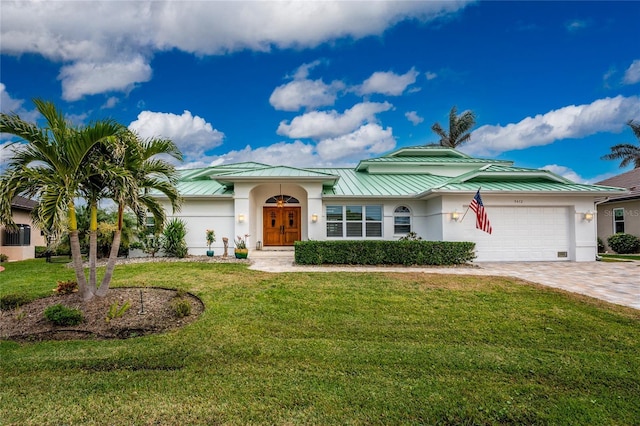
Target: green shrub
[(12, 301), (409, 252), (3, 257), (174, 234), (623, 243), (66, 287), (116, 311), (411, 236), (41, 251), (601, 247), (61, 315), (181, 307)]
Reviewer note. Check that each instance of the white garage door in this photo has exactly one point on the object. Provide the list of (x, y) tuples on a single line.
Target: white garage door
[(523, 234)]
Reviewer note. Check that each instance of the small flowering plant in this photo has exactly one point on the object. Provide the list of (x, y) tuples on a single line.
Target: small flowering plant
[(211, 237), (241, 243)]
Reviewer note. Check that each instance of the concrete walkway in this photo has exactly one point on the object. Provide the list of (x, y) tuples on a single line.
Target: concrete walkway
[(615, 282)]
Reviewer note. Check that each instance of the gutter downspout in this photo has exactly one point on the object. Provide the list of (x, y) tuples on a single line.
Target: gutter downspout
[(595, 208)]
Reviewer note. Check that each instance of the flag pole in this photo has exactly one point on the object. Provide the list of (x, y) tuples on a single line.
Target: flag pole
[(466, 211)]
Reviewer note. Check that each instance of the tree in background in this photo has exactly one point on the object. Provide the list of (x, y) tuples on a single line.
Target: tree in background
[(627, 152), (459, 128)]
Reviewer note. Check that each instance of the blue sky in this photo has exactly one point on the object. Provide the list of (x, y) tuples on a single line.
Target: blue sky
[(327, 84)]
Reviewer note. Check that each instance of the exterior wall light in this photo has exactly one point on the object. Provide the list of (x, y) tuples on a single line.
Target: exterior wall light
[(455, 216), (240, 218), (588, 216), (314, 218)]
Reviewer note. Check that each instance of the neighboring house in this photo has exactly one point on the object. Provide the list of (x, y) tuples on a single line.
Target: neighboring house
[(620, 213), (536, 215), (21, 244)]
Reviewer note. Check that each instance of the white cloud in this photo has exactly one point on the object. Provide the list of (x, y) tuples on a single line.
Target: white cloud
[(76, 119), (606, 78), (570, 174), (565, 172), (7, 103), (576, 25), (430, 75), (113, 54), (632, 74), (193, 135), (6, 152), (413, 117), (10, 105), (367, 139), (328, 124), (574, 121), (388, 83), (305, 93), (90, 78), (295, 154), (110, 103), (303, 71)]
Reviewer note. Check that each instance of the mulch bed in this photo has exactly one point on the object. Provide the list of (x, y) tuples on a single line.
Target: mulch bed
[(152, 311)]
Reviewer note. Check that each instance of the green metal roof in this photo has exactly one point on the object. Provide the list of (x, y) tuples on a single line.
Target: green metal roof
[(526, 186), (212, 171), (352, 183), (490, 175), (202, 188), (278, 172), (433, 160), (427, 151), (428, 155)]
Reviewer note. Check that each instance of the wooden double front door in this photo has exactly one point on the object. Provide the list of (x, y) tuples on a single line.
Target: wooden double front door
[(281, 225)]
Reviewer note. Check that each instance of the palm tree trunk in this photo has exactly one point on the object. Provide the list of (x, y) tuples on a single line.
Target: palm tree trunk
[(93, 248), (113, 255), (76, 255)]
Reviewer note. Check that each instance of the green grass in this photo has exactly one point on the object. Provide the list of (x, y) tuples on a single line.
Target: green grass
[(621, 256), (334, 348)]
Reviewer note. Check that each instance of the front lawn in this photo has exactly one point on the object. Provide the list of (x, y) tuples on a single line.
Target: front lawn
[(620, 256), (333, 348)]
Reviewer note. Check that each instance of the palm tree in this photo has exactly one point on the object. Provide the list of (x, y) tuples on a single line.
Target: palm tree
[(459, 128), (51, 167), (627, 152), (140, 169)]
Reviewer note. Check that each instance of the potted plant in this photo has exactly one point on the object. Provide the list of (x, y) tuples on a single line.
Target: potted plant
[(211, 237), (241, 250)]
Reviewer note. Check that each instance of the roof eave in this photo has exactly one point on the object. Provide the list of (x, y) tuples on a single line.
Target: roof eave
[(259, 179), (440, 191)]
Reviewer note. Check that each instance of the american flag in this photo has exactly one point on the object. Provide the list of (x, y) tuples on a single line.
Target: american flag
[(482, 221)]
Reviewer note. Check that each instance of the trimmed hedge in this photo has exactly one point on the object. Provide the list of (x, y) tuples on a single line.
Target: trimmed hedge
[(351, 252)]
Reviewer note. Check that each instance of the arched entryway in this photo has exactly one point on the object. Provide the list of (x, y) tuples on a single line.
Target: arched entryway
[(281, 225)]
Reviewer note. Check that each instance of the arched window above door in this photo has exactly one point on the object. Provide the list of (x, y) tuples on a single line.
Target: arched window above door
[(286, 199)]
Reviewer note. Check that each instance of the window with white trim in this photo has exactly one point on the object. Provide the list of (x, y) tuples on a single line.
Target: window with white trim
[(618, 220), (402, 220), (354, 221)]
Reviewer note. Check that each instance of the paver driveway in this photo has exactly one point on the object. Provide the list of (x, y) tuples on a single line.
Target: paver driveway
[(616, 282)]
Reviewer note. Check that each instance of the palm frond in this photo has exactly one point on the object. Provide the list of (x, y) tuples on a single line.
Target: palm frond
[(635, 128), (459, 128)]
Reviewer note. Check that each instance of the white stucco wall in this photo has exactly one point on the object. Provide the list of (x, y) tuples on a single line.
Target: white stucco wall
[(431, 219), (201, 214)]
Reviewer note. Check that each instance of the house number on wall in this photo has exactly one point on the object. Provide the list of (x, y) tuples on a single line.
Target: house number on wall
[(518, 201)]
